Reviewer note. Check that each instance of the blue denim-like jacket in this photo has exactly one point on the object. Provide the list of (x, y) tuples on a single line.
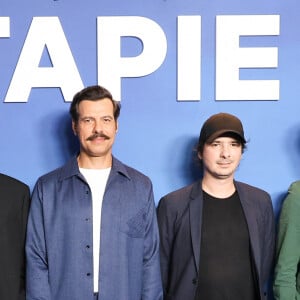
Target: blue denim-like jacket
[(59, 237)]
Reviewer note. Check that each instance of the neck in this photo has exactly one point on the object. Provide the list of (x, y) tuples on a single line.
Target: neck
[(89, 162), (219, 188)]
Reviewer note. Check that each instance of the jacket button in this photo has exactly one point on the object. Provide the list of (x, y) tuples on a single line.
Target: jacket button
[(87, 246), (88, 274), (194, 281)]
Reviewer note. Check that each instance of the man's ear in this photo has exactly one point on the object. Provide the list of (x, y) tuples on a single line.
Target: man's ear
[(199, 155), (74, 128)]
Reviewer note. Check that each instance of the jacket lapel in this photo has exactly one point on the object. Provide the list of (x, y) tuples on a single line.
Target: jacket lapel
[(250, 216), (195, 211)]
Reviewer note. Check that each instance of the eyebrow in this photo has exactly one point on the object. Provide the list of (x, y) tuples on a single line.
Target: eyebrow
[(95, 117), (231, 141)]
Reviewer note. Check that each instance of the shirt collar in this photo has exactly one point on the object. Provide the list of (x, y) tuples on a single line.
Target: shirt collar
[(71, 168)]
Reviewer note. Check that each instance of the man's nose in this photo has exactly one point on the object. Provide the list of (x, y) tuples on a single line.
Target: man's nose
[(97, 126), (225, 150)]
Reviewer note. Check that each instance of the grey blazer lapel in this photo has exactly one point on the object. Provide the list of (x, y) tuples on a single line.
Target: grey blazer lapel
[(195, 211)]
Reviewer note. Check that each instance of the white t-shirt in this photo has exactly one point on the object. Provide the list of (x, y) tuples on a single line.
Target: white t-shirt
[(97, 179)]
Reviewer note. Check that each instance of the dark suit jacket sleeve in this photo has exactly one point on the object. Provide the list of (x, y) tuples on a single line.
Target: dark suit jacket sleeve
[(166, 237), (178, 263), (14, 206), (258, 209), (25, 210)]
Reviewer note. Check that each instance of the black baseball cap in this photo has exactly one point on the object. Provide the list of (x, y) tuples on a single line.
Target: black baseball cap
[(220, 124)]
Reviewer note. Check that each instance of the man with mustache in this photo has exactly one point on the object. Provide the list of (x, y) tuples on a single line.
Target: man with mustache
[(217, 234), (92, 229)]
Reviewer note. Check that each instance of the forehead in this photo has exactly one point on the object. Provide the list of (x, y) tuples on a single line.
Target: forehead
[(95, 107), (226, 139)]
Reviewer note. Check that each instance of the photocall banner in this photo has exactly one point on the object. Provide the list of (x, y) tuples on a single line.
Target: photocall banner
[(172, 64)]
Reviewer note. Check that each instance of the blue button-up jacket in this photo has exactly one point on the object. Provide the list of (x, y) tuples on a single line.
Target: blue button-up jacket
[(59, 237)]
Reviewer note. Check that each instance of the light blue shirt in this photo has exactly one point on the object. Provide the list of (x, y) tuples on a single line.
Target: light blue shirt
[(60, 239)]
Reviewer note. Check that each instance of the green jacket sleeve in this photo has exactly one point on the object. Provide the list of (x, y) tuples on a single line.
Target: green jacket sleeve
[(286, 277)]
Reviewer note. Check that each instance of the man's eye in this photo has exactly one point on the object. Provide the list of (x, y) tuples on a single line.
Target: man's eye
[(87, 120), (215, 144)]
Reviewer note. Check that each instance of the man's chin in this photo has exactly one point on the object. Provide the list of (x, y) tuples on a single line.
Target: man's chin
[(224, 175)]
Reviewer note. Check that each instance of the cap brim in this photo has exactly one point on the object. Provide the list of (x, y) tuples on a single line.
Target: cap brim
[(223, 132)]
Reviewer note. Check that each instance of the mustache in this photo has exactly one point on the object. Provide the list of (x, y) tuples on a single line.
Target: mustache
[(97, 135)]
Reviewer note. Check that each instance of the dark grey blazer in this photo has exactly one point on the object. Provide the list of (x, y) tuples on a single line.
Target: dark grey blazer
[(180, 217), (14, 205)]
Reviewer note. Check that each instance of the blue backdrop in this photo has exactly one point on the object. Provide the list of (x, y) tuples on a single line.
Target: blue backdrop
[(172, 64)]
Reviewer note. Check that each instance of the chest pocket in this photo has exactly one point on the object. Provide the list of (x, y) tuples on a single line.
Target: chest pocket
[(133, 225)]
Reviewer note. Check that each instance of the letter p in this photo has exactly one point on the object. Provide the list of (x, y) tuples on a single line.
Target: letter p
[(112, 66)]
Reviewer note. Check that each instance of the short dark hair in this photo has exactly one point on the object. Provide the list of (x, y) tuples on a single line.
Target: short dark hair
[(92, 93)]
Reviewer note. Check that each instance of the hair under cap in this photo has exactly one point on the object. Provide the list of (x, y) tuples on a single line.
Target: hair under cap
[(220, 124)]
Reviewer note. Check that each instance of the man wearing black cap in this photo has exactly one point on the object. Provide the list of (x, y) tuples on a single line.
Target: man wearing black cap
[(217, 234)]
